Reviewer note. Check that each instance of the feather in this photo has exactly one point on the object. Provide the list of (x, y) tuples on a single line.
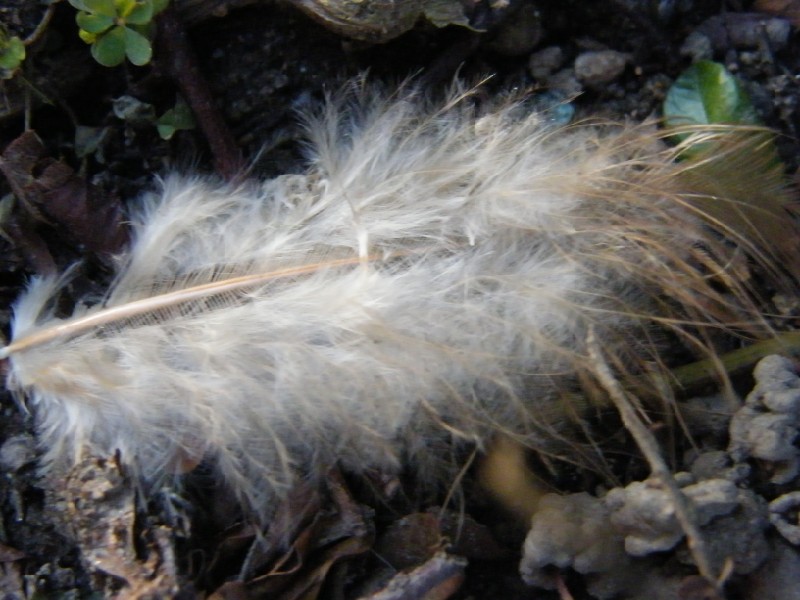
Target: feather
[(429, 280)]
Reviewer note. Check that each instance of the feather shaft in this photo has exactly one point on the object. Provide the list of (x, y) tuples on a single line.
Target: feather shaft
[(108, 316)]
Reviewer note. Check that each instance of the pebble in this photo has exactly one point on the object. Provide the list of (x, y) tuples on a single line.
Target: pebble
[(545, 62), (598, 67)]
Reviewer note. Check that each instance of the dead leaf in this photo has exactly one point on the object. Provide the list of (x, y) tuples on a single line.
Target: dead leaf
[(437, 579), (410, 541), (53, 193), (468, 538), (320, 538), (30, 245)]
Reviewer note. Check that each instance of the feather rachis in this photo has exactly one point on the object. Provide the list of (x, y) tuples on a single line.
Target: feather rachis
[(494, 244)]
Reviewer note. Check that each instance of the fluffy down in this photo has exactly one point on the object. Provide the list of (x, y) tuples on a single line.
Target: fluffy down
[(429, 281)]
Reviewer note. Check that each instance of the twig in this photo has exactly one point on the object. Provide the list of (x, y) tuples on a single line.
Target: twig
[(40, 28), (179, 58), (649, 447)]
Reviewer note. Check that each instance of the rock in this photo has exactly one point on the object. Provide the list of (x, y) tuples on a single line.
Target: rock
[(598, 67), (744, 30), (697, 46), (777, 578), (565, 82), (783, 515), (545, 62), (738, 536), (766, 428), (644, 512), (570, 531)]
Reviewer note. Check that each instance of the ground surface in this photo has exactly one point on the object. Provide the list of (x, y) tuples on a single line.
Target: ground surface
[(88, 536)]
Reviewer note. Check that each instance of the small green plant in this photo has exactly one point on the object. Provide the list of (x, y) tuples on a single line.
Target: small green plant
[(12, 53), (117, 29), (175, 119), (138, 113), (707, 94)]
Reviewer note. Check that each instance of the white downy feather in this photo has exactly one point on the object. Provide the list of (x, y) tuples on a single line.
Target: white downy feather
[(430, 279)]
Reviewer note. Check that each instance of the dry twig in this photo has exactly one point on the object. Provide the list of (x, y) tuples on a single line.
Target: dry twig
[(648, 445)]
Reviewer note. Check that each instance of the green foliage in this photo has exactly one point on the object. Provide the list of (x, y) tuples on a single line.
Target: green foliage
[(138, 113), (175, 119), (118, 29), (12, 53), (732, 164), (707, 94)]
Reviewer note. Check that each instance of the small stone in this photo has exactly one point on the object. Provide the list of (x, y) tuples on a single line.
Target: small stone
[(545, 62), (644, 511), (745, 30), (565, 83), (785, 401), (697, 46), (782, 514), (598, 67), (709, 465), (570, 531)]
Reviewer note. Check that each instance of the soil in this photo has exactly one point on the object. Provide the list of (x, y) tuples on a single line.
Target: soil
[(90, 535)]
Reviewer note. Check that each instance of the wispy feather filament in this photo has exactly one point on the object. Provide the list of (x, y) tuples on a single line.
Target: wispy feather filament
[(432, 277)]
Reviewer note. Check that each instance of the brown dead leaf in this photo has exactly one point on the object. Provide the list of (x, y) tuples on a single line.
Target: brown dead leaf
[(320, 537), (51, 192), (437, 579), (468, 538), (789, 9), (30, 245), (410, 541)]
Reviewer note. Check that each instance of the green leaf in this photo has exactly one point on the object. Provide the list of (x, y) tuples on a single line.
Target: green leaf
[(147, 30), (124, 7), (79, 4), (89, 38), (12, 53), (705, 94), (109, 49), (141, 14), (175, 119), (734, 173), (101, 7), (93, 23), (159, 5), (137, 47)]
